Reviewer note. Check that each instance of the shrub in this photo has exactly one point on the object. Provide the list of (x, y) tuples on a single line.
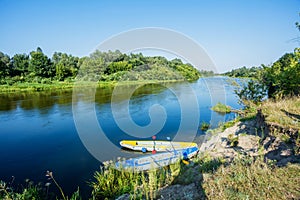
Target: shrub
[(233, 140)]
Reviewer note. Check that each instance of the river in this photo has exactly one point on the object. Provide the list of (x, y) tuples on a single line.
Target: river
[(50, 130)]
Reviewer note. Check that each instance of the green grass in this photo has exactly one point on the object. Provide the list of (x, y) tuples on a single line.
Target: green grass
[(110, 182), (248, 179), (244, 178), (57, 85), (30, 191), (223, 126), (221, 108), (285, 112), (18, 87)]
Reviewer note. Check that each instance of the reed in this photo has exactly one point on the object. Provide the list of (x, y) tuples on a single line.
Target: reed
[(111, 182)]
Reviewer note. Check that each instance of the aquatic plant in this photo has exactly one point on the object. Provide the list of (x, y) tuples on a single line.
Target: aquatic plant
[(204, 126), (221, 108)]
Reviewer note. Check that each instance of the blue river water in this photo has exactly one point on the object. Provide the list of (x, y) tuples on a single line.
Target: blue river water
[(40, 131)]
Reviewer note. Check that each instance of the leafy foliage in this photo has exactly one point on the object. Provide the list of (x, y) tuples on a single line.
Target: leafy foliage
[(282, 78), (279, 80), (243, 72), (253, 91), (99, 66), (65, 65), (4, 65), (40, 65)]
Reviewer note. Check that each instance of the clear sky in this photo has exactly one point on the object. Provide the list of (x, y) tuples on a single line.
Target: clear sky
[(234, 33)]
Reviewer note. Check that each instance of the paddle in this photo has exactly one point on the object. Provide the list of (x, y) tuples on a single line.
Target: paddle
[(153, 138), (169, 139), (185, 159)]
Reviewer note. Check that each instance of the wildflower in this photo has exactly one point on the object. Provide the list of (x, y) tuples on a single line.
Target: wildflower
[(47, 184)]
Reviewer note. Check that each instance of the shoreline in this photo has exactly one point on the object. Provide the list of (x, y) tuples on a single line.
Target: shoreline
[(36, 87)]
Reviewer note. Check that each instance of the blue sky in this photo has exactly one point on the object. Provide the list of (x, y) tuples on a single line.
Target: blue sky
[(234, 33)]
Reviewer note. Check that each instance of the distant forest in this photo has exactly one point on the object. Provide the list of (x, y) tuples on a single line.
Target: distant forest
[(282, 78), (36, 67)]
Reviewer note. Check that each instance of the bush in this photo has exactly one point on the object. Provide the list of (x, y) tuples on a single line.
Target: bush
[(233, 140), (253, 91)]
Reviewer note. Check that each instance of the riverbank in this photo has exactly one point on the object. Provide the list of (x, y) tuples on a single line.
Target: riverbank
[(253, 157), (256, 157), (248, 158), (61, 85)]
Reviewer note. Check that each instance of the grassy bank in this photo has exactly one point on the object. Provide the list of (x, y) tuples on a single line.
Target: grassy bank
[(206, 177), (19, 87), (253, 179), (61, 85), (285, 112), (244, 178)]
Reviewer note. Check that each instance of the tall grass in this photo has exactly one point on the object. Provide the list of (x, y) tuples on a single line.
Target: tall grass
[(249, 179), (30, 191), (111, 182), (285, 112)]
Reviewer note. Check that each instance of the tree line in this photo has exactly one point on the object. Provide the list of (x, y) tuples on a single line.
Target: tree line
[(244, 72), (280, 79), (102, 66)]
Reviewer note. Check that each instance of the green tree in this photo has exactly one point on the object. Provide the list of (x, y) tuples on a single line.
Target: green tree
[(92, 69), (5, 68), (40, 65), (253, 72), (254, 91), (118, 66), (65, 65), (20, 63), (282, 78)]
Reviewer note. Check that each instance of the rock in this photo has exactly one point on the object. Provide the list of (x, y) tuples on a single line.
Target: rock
[(286, 152), (124, 197), (248, 143), (180, 192)]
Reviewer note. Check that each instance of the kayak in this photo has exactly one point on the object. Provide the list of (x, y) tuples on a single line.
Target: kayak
[(148, 145), (156, 160)]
